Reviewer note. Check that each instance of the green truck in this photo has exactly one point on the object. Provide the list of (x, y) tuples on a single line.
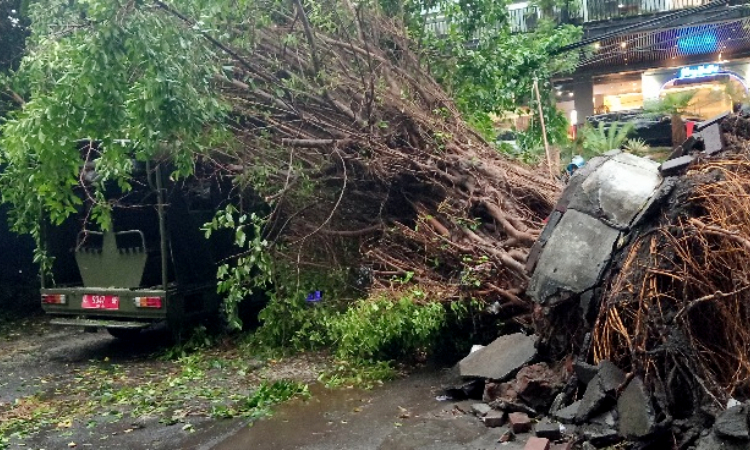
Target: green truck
[(154, 265)]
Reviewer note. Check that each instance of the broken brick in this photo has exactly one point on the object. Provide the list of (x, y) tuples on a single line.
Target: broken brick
[(499, 391), (536, 443), (519, 422), (537, 385), (494, 419)]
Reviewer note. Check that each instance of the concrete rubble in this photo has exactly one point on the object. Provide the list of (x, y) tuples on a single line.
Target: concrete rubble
[(501, 359)]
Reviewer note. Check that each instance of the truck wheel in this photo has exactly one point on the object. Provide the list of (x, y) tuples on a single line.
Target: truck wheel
[(124, 333)]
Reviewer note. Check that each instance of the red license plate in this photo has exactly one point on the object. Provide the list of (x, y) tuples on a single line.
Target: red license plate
[(100, 302)]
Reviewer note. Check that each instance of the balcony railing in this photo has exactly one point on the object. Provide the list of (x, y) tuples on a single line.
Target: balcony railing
[(523, 17)]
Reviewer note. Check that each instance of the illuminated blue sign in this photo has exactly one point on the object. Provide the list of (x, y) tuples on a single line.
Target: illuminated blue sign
[(697, 40), (699, 71)]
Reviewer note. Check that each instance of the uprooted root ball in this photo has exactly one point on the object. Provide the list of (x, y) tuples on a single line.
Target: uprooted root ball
[(677, 311)]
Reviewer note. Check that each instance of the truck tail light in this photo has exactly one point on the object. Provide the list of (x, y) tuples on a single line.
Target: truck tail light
[(147, 302), (54, 299)]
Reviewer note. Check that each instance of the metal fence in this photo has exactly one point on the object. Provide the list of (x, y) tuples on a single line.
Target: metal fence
[(524, 17)]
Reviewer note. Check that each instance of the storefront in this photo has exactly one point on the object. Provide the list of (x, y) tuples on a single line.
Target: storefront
[(620, 93), (710, 89)]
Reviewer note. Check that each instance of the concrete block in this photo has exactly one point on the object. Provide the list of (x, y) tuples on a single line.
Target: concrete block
[(611, 377), (606, 418), (536, 443), (533, 258), (661, 194), (593, 400), (519, 422), (574, 185), (713, 442), (585, 372), (600, 435), (554, 219), (501, 359)]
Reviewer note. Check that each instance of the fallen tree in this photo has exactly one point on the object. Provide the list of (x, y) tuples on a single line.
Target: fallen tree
[(335, 122), (355, 144)]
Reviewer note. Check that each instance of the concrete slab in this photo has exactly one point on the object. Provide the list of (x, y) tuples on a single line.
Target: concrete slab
[(712, 139), (618, 189), (676, 165), (732, 423), (700, 126), (501, 359), (610, 376), (713, 442), (567, 414), (573, 258), (634, 409), (593, 400)]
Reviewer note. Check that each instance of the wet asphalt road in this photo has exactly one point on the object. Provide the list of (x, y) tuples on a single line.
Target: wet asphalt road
[(402, 415), (45, 357)]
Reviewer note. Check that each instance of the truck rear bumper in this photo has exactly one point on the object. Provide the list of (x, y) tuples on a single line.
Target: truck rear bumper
[(126, 310), (100, 323)]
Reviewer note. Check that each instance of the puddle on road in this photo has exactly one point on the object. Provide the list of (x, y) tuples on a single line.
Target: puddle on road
[(296, 423), (402, 415)]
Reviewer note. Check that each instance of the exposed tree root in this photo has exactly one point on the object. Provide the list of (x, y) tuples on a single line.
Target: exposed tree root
[(677, 309)]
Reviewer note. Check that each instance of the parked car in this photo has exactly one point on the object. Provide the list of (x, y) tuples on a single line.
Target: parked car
[(656, 131)]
